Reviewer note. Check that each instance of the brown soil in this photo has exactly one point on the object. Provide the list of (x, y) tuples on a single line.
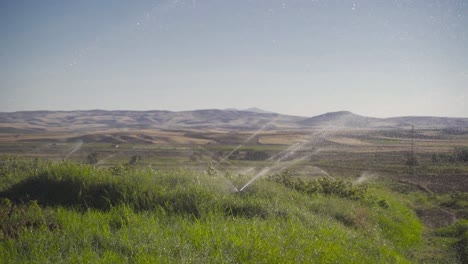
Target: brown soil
[(437, 217), (438, 183)]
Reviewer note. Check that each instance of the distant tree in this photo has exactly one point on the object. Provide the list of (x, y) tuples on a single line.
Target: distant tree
[(92, 158), (412, 161), (461, 154), (220, 154), (195, 157), (135, 160)]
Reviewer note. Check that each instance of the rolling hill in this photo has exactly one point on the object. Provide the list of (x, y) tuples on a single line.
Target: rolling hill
[(341, 118), (229, 119), (351, 120)]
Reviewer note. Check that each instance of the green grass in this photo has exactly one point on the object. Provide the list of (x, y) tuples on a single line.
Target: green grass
[(447, 244), (71, 213), (460, 231)]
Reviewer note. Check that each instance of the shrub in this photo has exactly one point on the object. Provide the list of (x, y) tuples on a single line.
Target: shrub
[(461, 154), (15, 218), (460, 231), (324, 185)]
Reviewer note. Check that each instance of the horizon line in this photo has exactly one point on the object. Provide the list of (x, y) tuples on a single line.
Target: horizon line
[(267, 112)]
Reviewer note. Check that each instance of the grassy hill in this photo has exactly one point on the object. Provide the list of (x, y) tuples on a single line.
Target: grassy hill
[(66, 212)]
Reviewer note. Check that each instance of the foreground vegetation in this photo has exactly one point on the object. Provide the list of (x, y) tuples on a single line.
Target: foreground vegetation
[(67, 212)]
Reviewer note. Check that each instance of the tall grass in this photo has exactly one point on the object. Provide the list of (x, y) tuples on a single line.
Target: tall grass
[(78, 213)]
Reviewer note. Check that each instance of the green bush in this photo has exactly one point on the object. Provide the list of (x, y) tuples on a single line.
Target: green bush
[(326, 186)]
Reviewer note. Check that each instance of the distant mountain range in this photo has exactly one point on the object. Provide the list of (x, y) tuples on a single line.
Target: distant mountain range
[(227, 119), (348, 119)]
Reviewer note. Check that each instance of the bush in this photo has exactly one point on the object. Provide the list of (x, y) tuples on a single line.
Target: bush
[(412, 161), (324, 185), (91, 159), (459, 155), (460, 231), (458, 200)]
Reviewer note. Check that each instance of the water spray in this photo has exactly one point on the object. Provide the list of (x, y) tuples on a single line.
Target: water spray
[(212, 155), (75, 149), (262, 128), (306, 141), (106, 158), (276, 166), (365, 177)]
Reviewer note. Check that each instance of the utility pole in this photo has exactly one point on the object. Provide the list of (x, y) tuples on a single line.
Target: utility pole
[(412, 142), (412, 162)]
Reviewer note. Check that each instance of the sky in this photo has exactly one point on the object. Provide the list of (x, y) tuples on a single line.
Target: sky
[(380, 58)]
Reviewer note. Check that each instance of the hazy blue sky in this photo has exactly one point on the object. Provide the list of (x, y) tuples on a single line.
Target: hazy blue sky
[(378, 58)]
